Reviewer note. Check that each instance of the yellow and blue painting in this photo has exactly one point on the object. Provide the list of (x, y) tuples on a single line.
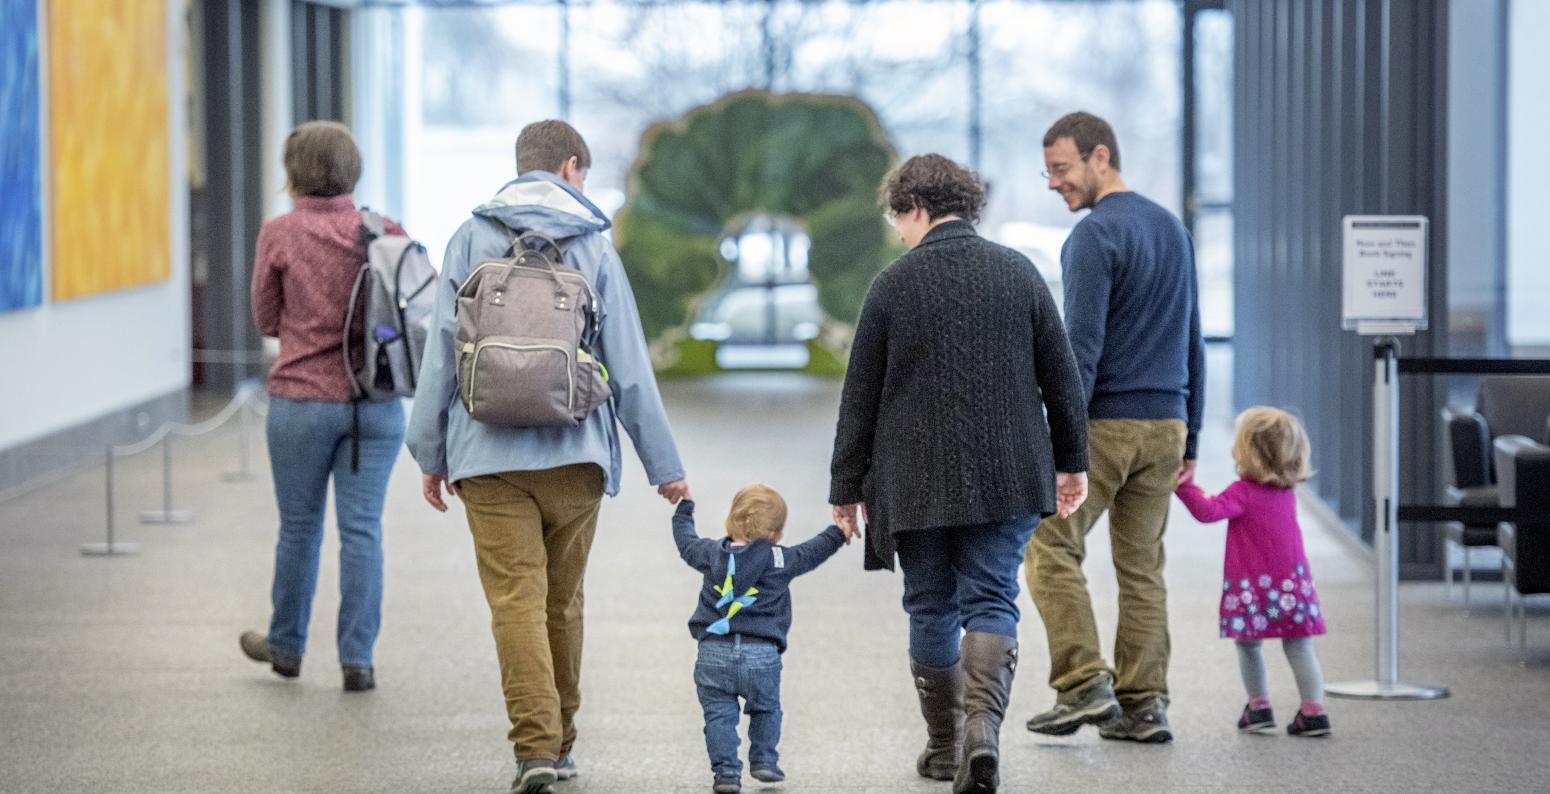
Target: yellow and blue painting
[(21, 205), (109, 146)]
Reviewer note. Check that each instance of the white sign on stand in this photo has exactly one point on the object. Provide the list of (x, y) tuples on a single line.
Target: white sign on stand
[(1385, 274)]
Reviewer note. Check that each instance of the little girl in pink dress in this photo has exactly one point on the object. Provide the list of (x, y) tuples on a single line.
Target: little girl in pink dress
[(1267, 586)]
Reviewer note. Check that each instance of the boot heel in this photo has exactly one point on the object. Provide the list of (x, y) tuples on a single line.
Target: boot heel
[(984, 771)]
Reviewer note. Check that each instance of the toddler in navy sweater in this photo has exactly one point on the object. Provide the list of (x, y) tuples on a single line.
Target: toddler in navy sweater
[(741, 621)]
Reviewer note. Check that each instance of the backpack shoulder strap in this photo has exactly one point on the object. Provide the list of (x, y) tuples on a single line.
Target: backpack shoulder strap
[(361, 275), (372, 225)]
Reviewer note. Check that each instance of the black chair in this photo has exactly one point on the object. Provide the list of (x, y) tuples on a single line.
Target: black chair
[(1505, 405), (1523, 477)]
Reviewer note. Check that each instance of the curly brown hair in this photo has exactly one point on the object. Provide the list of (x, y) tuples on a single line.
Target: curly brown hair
[(936, 184)]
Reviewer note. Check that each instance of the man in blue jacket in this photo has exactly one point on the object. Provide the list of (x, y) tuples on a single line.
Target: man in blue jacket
[(532, 493), (1132, 313)]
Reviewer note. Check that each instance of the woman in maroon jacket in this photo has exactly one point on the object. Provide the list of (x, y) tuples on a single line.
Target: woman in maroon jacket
[(305, 267)]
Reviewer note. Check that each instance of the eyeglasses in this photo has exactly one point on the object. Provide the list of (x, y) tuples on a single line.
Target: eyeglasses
[(1062, 169)]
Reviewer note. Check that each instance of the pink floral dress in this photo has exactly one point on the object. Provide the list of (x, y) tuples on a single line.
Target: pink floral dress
[(1267, 586)]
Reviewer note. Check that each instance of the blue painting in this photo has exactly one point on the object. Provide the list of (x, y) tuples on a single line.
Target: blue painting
[(21, 204)]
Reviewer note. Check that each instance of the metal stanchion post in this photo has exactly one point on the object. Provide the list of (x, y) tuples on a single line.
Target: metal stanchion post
[(244, 471), (166, 515), (109, 549), (1385, 496)]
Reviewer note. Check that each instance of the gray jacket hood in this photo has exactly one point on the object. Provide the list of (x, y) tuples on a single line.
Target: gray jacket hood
[(542, 202)]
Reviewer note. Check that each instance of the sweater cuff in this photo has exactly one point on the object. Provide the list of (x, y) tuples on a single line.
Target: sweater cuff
[(1191, 445), (685, 508), (845, 492), (1072, 462)]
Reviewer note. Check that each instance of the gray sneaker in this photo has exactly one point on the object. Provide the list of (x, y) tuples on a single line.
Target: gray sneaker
[(1145, 722), (1094, 706), (534, 777)]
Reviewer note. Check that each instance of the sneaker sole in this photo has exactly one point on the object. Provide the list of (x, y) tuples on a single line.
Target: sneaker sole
[(1159, 736), (538, 781), (1258, 727), (769, 778), (1094, 715), (1154, 736), (1316, 733)]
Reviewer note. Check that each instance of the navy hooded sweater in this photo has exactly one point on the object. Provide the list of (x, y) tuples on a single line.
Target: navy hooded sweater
[(746, 587)]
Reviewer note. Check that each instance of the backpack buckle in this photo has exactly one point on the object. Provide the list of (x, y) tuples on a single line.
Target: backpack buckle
[(561, 301)]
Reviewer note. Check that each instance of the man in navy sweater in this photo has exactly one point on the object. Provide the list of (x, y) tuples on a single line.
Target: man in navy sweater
[(1132, 313)]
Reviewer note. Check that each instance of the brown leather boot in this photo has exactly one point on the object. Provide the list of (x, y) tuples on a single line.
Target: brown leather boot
[(989, 661), (941, 703)]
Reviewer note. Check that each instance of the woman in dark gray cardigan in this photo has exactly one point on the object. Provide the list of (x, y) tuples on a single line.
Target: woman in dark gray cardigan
[(944, 445)]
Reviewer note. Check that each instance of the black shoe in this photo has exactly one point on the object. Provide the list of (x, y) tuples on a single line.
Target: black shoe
[(727, 784), (768, 774), (1256, 720), (1311, 726), (359, 679), (1145, 722), (1094, 706), (256, 647)]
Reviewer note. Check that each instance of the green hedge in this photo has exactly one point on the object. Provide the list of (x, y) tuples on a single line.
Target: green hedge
[(816, 158)]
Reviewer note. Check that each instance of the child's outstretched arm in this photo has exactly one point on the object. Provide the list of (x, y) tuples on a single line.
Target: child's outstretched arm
[(1206, 509), (699, 552), (806, 556)]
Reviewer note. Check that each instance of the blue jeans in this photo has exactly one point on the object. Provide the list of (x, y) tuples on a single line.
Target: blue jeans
[(961, 578), (309, 444), (731, 667)]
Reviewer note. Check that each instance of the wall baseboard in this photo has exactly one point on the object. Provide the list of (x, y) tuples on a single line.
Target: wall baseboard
[(33, 464)]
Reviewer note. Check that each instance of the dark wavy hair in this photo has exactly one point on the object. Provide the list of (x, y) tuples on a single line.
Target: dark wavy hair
[(938, 185)]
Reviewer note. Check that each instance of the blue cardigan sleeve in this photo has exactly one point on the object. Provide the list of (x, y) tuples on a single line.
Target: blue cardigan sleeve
[(815, 551), (700, 553)]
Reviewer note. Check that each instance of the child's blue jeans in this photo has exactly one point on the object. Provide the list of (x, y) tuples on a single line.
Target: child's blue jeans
[(732, 667)]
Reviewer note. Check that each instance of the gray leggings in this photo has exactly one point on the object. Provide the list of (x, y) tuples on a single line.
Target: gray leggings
[(1299, 653)]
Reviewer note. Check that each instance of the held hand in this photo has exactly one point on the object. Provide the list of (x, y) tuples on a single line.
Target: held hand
[(1070, 492), (431, 485), (845, 519), (675, 491), (1186, 472)]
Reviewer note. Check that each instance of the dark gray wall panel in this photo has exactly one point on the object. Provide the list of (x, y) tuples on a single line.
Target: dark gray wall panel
[(1340, 110)]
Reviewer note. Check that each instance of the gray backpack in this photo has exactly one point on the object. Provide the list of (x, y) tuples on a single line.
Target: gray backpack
[(526, 327), (389, 313)]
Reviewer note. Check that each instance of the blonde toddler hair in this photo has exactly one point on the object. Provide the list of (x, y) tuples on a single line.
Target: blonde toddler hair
[(758, 513), (1271, 447)]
